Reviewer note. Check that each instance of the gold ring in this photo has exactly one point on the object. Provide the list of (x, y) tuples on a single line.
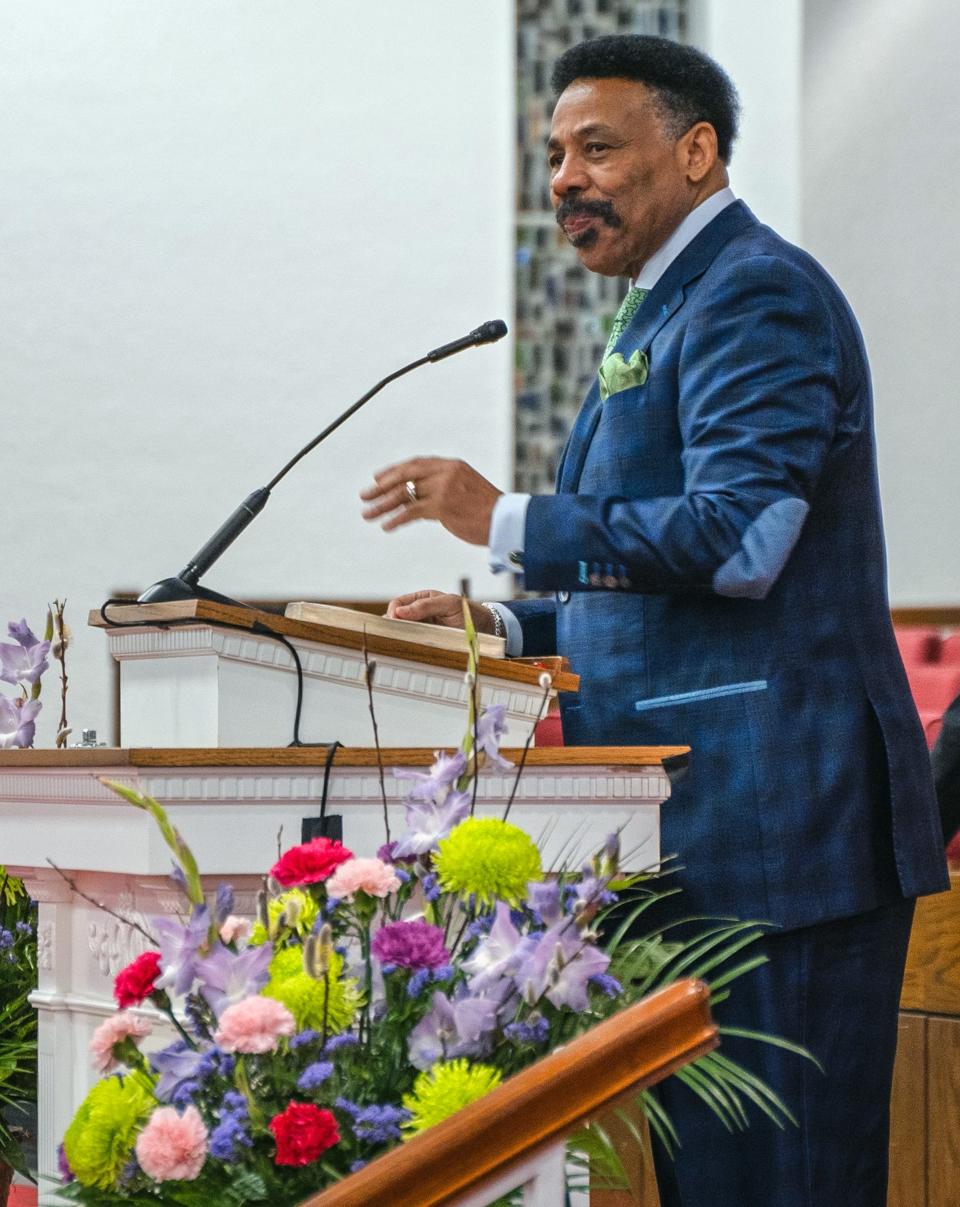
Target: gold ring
[(411, 488)]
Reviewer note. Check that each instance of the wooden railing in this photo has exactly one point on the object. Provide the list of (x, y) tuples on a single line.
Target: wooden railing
[(487, 1147)]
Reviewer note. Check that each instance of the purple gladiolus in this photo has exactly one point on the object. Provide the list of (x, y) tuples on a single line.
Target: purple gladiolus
[(444, 773), (26, 661), (428, 822), (490, 730), (177, 1065), (451, 1029), (17, 721), (227, 976), (500, 954), (561, 967), (179, 945), (543, 897), (410, 945)]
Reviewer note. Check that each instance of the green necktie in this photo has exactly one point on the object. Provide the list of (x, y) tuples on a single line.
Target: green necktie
[(628, 308)]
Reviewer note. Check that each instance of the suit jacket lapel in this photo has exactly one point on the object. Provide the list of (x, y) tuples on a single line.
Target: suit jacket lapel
[(664, 300)]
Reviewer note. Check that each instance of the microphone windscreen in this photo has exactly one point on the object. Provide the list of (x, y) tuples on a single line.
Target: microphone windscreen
[(490, 331)]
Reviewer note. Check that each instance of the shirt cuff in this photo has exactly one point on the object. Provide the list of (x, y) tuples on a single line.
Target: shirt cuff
[(512, 629), (507, 529)]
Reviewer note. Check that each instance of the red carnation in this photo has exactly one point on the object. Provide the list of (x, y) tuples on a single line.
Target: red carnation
[(135, 983), (302, 1133), (310, 862)]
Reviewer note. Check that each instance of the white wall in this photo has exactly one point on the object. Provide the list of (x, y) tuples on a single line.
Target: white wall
[(880, 181), (759, 44), (220, 222)]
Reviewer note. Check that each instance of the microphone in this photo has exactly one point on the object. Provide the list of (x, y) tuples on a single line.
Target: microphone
[(185, 584), (486, 333)]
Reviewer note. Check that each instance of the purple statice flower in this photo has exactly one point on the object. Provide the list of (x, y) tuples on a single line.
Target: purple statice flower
[(228, 1137), (227, 976), (302, 1038), (411, 945), (224, 905), (345, 1040), (499, 954), (534, 1030), (444, 972), (26, 661), (429, 821), (444, 773), (216, 1063), (6, 938), (24, 928), (176, 1064), (356, 1166), (63, 1166), (430, 886), (560, 966), (179, 944), (234, 1103), (451, 1029), (377, 1124), (418, 982), (183, 1095), (490, 730), (479, 928), (608, 985), (543, 898), (313, 1076), (18, 722)]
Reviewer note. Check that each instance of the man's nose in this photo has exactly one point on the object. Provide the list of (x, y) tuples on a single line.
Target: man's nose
[(570, 175)]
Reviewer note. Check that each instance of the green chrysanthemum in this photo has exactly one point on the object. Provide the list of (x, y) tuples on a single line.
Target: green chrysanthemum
[(444, 1089), (303, 995), (300, 904), (488, 859), (99, 1142)]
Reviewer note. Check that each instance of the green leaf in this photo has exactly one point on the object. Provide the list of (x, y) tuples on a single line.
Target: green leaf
[(660, 1122), (776, 1040), (747, 1083)]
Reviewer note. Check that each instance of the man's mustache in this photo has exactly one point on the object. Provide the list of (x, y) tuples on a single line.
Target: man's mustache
[(575, 207)]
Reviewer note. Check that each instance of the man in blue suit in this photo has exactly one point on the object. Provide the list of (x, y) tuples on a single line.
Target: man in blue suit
[(715, 555)]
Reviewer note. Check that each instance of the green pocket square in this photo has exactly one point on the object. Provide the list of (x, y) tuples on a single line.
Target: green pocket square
[(617, 374)]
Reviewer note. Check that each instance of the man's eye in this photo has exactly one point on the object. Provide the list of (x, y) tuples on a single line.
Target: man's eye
[(554, 161), (595, 148)]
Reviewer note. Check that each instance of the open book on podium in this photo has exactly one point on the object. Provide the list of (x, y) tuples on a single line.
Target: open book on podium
[(202, 673)]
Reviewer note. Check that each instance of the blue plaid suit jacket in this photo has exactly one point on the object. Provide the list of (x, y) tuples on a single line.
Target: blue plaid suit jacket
[(716, 553)]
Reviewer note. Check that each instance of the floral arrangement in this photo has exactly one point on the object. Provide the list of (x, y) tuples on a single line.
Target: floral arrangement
[(18, 1025), (372, 997)]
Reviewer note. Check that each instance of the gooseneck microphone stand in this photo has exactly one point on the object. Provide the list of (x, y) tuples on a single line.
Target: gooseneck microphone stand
[(185, 585)]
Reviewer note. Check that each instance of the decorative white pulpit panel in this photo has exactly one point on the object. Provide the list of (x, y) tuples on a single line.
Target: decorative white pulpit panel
[(203, 677), (233, 807)]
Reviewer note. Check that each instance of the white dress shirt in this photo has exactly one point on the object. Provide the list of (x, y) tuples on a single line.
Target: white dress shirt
[(508, 523)]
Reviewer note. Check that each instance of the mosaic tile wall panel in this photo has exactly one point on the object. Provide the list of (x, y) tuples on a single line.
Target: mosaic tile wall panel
[(563, 311)]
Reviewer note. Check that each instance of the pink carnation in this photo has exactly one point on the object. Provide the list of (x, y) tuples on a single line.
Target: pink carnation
[(173, 1147), (371, 876), (234, 928), (114, 1031), (254, 1025)]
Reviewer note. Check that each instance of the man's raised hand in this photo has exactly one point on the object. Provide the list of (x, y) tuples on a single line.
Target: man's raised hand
[(433, 488)]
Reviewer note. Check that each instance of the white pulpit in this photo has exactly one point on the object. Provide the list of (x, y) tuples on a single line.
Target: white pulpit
[(199, 673)]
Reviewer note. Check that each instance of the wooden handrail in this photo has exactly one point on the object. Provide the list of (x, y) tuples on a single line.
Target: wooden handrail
[(538, 1106)]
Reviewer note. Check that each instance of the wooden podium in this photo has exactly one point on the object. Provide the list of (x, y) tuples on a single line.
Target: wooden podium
[(236, 801)]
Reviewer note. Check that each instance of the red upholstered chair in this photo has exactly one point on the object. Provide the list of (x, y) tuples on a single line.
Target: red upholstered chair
[(934, 686), (950, 650), (549, 731), (918, 645)]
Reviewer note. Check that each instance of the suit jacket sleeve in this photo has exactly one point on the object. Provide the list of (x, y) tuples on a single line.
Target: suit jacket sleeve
[(758, 390), (538, 620)]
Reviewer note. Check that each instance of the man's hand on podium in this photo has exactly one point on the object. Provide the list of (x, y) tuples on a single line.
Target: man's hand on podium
[(437, 607), (433, 488)]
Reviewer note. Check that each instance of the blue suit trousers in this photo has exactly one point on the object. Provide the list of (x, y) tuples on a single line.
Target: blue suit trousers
[(835, 989)]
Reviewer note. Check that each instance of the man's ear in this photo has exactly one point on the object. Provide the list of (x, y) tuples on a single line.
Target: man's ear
[(697, 152)]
